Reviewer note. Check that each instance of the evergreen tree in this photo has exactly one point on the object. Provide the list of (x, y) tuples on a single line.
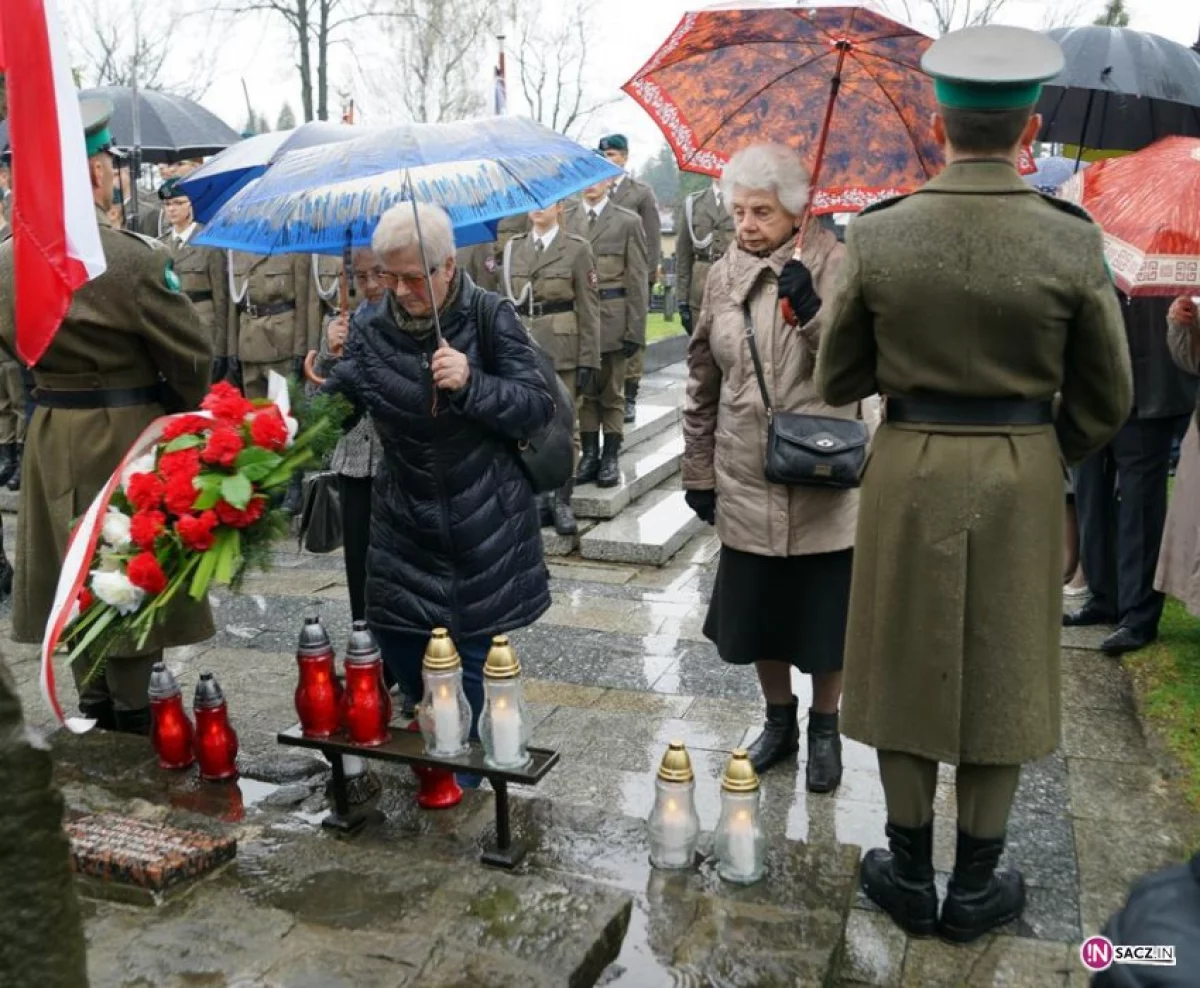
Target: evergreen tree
[(287, 119), (1115, 15)]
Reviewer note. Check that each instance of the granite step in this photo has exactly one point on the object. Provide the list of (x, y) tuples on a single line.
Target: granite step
[(650, 532), (652, 420), (558, 546), (643, 468)]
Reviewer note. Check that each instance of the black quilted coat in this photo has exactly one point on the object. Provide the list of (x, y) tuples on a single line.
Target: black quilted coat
[(455, 538)]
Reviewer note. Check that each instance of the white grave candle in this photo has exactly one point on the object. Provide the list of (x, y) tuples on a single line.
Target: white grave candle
[(506, 732), (447, 728), (674, 850), (741, 844)]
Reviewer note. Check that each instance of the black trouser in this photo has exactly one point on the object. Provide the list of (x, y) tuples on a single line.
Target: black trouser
[(356, 535), (1121, 501)]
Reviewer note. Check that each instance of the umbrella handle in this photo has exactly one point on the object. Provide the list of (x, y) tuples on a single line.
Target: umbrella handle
[(310, 370)]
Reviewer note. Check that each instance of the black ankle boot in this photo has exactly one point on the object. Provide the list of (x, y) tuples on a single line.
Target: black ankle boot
[(564, 517), (294, 499), (8, 462), (14, 482), (589, 462), (133, 721), (824, 770), (609, 474), (631, 393), (101, 712), (780, 736), (979, 898), (900, 881), (545, 512)]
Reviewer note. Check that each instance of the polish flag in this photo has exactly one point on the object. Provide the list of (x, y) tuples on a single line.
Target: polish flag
[(56, 241)]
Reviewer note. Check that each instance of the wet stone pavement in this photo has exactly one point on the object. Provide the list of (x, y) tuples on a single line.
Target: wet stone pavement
[(617, 669)]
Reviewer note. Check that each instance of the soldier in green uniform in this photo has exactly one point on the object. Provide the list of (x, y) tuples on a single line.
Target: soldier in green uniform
[(551, 277), (628, 192), (483, 262), (706, 229), (619, 249), (984, 314), (201, 272), (131, 347)]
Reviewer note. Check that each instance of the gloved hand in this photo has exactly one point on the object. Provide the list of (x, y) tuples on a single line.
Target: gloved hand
[(796, 285), (629, 348), (587, 381), (220, 369), (234, 372), (685, 317), (704, 504)]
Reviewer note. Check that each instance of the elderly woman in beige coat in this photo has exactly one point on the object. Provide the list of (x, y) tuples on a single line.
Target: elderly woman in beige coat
[(783, 580), (1179, 560)]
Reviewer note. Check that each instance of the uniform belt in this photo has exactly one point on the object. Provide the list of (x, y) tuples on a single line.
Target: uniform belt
[(607, 293), (969, 411), (551, 308), (199, 296), (261, 311), (98, 398)]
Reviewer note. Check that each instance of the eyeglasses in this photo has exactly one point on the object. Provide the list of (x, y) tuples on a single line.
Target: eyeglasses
[(366, 277), (413, 282)]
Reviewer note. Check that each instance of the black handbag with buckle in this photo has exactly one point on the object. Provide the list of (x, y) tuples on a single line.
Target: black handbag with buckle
[(809, 450)]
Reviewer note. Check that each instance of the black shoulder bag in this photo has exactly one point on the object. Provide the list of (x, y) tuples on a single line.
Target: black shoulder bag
[(809, 450), (548, 458)]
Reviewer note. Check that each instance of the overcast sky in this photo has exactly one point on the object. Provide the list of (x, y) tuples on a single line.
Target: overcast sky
[(627, 33)]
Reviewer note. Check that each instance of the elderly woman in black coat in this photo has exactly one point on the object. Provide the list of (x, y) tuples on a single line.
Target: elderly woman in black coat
[(455, 540)]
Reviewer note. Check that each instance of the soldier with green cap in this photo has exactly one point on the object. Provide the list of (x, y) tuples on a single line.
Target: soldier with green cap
[(201, 272), (130, 348), (983, 312), (628, 192)]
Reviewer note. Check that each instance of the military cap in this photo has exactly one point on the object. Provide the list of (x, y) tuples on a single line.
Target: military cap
[(170, 190), (993, 67), (614, 142), (96, 114)]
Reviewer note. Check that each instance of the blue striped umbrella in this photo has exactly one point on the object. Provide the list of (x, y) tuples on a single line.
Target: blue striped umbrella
[(322, 199)]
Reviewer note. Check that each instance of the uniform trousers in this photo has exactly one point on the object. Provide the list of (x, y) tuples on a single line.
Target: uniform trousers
[(636, 365), (568, 381), (124, 680), (12, 404), (254, 376), (985, 793), (608, 408)]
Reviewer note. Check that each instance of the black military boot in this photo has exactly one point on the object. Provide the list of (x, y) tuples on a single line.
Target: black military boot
[(564, 517), (293, 501), (133, 721), (631, 393), (589, 462), (6, 570), (780, 736), (979, 898), (900, 881), (101, 711), (824, 770), (14, 482), (609, 474), (8, 462), (545, 510)]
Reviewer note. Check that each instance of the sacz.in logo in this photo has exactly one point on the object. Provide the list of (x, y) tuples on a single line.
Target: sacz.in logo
[(1100, 953)]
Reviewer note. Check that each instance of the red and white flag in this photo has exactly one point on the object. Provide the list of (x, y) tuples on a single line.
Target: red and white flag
[(56, 242)]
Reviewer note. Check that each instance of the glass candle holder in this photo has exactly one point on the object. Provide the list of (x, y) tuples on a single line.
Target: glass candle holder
[(674, 825), (444, 715), (504, 725), (740, 844)]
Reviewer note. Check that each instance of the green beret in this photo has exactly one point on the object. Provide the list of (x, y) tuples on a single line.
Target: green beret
[(993, 67), (96, 113), (614, 142), (170, 190)]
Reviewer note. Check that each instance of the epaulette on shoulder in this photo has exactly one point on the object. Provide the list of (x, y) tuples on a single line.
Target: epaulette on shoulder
[(626, 210), (147, 241), (1068, 207), (876, 207), (523, 235), (579, 239)]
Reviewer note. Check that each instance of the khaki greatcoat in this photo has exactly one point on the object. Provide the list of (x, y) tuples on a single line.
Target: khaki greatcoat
[(563, 273), (205, 281), (619, 249), (975, 286), (126, 329), (725, 421), (700, 244)]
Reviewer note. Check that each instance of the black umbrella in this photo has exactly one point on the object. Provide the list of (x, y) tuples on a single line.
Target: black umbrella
[(172, 128), (1121, 89)]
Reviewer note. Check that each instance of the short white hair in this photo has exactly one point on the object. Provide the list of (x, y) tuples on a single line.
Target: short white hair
[(768, 168), (397, 231)]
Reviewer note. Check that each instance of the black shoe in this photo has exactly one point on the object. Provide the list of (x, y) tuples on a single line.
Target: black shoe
[(564, 516), (8, 462), (545, 511), (101, 712), (824, 770), (780, 736), (14, 482), (133, 721), (1088, 616), (589, 462), (631, 394), (900, 881), (6, 576), (609, 474), (1126, 639), (979, 898), (293, 502)]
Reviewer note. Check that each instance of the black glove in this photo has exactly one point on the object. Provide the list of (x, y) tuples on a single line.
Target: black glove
[(234, 370), (220, 368), (685, 317), (704, 504), (586, 381), (796, 285), (629, 348)]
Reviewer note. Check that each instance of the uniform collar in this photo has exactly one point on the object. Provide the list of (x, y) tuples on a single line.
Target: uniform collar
[(978, 175), (598, 208), (545, 239)]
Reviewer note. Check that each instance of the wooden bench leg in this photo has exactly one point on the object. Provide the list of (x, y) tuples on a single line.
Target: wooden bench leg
[(341, 819), (507, 853)]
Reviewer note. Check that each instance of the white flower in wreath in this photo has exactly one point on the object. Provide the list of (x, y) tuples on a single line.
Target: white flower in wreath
[(115, 530), (143, 464), (113, 587)]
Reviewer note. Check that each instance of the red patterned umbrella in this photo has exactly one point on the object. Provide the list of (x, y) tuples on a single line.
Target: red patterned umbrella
[(841, 85), (1148, 204)]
